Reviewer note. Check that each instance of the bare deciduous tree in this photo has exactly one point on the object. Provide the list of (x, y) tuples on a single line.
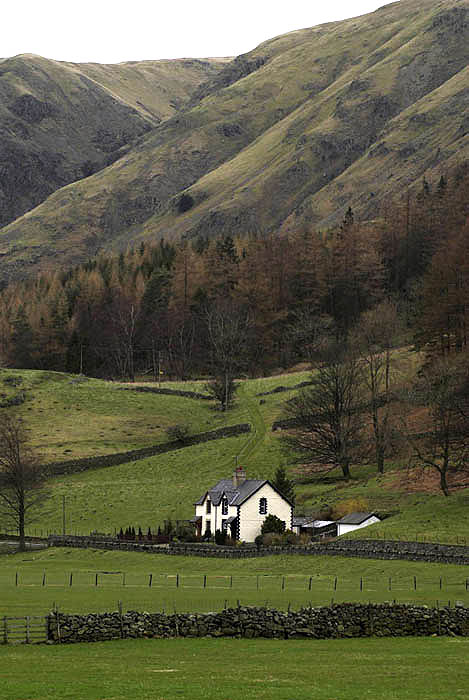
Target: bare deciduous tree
[(327, 416), (373, 338), (228, 338), (442, 441), (22, 478)]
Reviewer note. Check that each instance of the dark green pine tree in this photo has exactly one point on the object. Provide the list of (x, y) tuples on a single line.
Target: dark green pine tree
[(283, 484)]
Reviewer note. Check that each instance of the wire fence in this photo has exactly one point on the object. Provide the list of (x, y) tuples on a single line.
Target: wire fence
[(238, 582)]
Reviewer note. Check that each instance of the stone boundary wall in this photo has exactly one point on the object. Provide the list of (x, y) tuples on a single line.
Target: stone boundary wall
[(168, 392), (280, 389), (80, 465), (367, 549), (346, 620)]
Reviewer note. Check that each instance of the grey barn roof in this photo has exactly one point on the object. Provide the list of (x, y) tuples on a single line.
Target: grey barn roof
[(355, 518), (235, 495)]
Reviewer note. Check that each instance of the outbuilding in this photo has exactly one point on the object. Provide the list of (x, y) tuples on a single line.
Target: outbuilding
[(355, 521)]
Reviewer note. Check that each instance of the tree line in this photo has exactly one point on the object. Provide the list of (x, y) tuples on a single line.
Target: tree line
[(247, 304)]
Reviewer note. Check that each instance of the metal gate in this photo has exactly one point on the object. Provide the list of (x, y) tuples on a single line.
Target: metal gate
[(24, 630)]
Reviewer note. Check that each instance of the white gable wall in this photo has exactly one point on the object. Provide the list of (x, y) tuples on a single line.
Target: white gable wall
[(215, 517), (251, 520), (343, 528)]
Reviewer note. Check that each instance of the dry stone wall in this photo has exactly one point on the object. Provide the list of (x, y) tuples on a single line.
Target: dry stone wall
[(346, 620), (367, 549)]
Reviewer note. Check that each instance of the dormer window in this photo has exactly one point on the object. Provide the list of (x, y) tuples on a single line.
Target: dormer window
[(224, 506), (263, 506), (208, 507)]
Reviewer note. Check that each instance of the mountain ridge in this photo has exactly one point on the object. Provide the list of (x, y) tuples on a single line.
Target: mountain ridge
[(286, 136)]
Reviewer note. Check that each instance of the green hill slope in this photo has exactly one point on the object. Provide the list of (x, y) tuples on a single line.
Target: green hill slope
[(69, 419), (289, 134), (60, 122)]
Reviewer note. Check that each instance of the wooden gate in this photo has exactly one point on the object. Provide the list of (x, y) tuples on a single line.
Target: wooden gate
[(24, 630)]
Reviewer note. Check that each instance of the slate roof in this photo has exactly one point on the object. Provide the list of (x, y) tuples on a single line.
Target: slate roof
[(355, 518), (236, 495)]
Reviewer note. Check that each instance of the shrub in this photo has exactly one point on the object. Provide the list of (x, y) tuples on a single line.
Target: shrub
[(220, 537), (178, 432), (272, 524), (351, 505)]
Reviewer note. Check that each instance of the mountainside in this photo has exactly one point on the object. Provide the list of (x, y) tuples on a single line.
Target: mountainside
[(60, 122), (288, 135)]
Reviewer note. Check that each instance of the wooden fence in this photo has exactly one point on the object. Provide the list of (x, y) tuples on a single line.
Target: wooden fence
[(24, 630)]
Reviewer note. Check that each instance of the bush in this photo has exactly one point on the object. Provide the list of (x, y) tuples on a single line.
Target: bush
[(351, 505), (272, 524), (178, 432), (220, 537)]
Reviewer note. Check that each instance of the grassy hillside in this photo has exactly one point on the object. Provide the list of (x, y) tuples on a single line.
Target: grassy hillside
[(347, 113), (70, 419), (60, 122)]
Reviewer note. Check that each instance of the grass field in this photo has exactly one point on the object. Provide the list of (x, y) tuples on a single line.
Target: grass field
[(199, 584), (235, 669), (69, 418)]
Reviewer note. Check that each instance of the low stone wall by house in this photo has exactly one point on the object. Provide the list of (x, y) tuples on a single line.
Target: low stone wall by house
[(367, 549), (336, 622), (391, 549)]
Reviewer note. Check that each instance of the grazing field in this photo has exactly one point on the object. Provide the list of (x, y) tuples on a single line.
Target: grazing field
[(69, 418), (80, 581), (236, 669)]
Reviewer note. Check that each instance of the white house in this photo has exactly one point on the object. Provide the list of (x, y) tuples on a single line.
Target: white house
[(355, 521), (239, 506)]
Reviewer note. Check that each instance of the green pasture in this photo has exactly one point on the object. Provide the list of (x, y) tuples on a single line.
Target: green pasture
[(235, 669), (95, 580), (71, 418)]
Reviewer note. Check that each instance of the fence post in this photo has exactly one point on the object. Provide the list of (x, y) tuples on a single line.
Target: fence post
[(177, 580), (5, 630), (335, 583), (283, 583), (389, 584), (121, 622), (310, 583), (150, 580), (440, 583), (44, 578), (71, 578), (205, 580), (361, 583), (415, 583), (96, 580), (16, 579)]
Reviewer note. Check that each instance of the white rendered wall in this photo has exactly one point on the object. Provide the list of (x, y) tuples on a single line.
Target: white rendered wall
[(250, 518)]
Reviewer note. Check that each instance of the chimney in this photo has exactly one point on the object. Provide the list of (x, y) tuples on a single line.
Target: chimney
[(239, 475)]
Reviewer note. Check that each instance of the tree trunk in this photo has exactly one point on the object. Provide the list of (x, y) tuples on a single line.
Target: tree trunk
[(345, 466), (21, 527), (443, 482)]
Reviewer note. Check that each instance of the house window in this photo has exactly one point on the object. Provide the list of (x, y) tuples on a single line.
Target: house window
[(224, 506), (208, 508), (263, 506)]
